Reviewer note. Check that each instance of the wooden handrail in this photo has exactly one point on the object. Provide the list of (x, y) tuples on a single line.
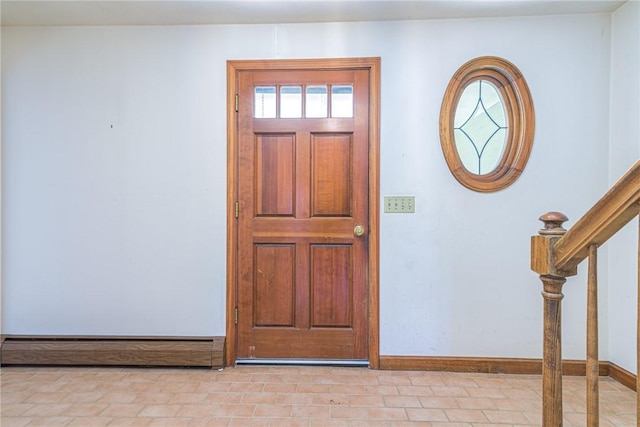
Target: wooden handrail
[(555, 255), (612, 212)]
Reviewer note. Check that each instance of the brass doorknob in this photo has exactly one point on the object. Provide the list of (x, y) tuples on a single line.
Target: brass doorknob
[(358, 230)]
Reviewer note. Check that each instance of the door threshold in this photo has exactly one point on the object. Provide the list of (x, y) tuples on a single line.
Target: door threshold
[(304, 362)]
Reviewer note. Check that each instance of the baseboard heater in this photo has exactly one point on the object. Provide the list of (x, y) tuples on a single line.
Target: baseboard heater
[(112, 351)]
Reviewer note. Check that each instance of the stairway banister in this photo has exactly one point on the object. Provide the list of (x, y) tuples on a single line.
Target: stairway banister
[(555, 255), (612, 212)]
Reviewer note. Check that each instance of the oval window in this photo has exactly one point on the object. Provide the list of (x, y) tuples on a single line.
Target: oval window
[(487, 124)]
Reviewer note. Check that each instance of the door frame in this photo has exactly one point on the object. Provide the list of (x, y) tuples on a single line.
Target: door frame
[(371, 64)]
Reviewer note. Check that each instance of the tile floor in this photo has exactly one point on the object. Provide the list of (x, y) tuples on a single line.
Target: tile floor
[(290, 396)]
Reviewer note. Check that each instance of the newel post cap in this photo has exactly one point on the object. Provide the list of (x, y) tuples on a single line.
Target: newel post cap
[(553, 223)]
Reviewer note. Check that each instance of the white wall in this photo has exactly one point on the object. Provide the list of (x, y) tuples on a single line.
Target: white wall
[(1, 222), (121, 230), (624, 152)]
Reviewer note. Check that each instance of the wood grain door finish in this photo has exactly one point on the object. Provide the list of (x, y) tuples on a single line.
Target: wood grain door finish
[(302, 287)]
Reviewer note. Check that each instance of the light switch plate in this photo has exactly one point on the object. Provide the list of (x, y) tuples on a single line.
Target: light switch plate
[(399, 204)]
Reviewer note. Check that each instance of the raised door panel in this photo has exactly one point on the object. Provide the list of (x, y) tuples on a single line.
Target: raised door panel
[(274, 285), (331, 175), (275, 175), (331, 285)]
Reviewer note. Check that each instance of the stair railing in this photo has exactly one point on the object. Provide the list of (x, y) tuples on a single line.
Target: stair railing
[(555, 255)]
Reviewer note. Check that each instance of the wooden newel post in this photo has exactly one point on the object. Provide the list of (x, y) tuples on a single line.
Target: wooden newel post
[(543, 262), (552, 351)]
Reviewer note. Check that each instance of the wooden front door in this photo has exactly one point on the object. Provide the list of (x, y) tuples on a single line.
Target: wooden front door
[(303, 217)]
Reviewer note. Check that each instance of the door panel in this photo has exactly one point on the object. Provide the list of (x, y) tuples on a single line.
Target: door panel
[(274, 292), (275, 175), (331, 286), (331, 175), (302, 275)]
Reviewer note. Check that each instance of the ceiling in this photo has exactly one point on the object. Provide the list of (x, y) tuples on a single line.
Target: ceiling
[(190, 12)]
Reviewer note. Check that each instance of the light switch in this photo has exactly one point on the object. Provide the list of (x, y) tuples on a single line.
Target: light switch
[(399, 204)]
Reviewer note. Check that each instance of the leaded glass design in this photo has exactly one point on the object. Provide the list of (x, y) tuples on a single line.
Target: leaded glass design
[(480, 127)]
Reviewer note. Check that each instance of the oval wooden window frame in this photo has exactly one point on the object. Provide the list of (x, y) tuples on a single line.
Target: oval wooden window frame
[(519, 111)]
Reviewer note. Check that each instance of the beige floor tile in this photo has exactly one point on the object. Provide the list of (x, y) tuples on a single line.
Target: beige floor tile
[(213, 387), (179, 398), (178, 387), (311, 411), (427, 380), (475, 403), (387, 414), (210, 422), (330, 399), (14, 409), (260, 397), (394, 380), (330, 423), (533, 417), (246, 387), (90, 422), (130, 422), (346, 412), (627, 419), (280, 388), (438, 402), (425, 414), (171, 422), (506, 417), (517, 404), (466, 415), (223, 398), (227, 410), (50, 421), (402, 402), (83, 397), (153, 398), (488, 382), (416, 390), (370, 423), (122, 410), (350, 389), (450, 391), (85, 409), (157, 410), (250, 422), (366, 400), (453, 424), (410, 424), (15, 421), (518, 393), (45, 397), (272, 411), (291, 397), (47, 410), (459, 380), (383, 390), (314, 388), (296, 378), (295, 398), (288, 422), (491, 393), (197, 411)]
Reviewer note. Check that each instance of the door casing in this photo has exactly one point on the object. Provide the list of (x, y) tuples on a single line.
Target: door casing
[(371, 64)]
